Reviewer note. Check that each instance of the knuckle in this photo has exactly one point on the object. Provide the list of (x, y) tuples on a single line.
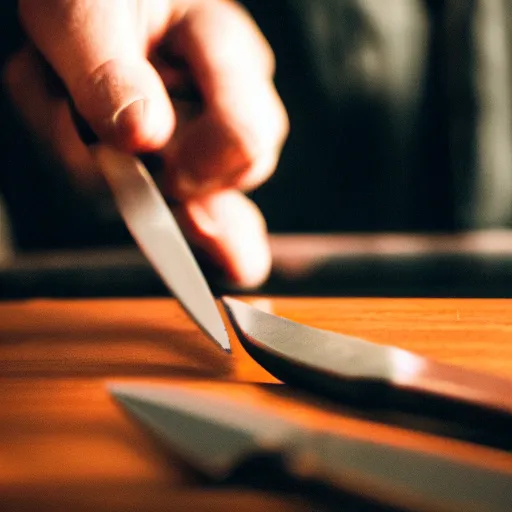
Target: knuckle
[(247, 147), (258, 173), (256, 148), (255, 164), (265, 130), (282, 122), (268, 56), (247, 35)]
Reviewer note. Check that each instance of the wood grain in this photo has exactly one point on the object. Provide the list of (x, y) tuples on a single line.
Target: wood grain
[(66, 445)]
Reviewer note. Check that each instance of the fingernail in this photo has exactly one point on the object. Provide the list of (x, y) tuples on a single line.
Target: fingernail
[(202, 219), (129, 121)]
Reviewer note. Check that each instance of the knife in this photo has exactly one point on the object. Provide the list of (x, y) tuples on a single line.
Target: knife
[(217, 436), (156, 232), (340, 366)]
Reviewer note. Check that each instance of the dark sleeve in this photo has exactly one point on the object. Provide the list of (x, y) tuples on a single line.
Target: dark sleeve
[(400, 114), (400, 120), (353, 107)]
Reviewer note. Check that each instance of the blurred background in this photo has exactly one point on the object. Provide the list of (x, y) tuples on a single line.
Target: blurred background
[(396, 178)]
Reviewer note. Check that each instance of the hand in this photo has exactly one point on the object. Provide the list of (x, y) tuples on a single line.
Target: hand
[(118, 59)]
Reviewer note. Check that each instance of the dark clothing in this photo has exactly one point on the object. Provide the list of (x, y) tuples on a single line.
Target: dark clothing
[(400, 120), (400, 113)]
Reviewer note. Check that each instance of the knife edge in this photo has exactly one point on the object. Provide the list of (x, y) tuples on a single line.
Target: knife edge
[(340, 366), (217, 434), (156, 232)]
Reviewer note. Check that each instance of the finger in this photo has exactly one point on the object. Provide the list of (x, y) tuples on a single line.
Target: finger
[(24, 82), (237, 139), (48, 116), (98, 49), (230, 228)]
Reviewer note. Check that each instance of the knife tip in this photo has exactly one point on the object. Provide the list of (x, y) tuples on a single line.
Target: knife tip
[(220, 337)]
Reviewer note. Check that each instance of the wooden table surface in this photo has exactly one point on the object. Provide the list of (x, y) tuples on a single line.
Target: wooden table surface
[(64, 444)]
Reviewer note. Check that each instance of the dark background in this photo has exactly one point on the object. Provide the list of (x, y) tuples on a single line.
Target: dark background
[(362, 157), (353, 161)]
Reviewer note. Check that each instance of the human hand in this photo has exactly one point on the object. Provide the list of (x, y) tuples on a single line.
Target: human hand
[(117, 60)]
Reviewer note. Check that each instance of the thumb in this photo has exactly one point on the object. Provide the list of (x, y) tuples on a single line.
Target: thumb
[(97, 49)]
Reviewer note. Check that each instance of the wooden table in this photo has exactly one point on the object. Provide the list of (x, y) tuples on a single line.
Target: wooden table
[(64, 444)]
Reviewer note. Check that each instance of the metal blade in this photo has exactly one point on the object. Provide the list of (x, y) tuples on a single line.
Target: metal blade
[(159, 237), (216, 434), (210, 433), (403, 478), (332, 363)]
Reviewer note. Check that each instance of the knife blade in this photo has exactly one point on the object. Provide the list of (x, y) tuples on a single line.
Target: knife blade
[(214, 434), (155, 230), (337, 365), (160, 239)]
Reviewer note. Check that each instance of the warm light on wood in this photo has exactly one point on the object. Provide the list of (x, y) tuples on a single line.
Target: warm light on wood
[(66, 445)]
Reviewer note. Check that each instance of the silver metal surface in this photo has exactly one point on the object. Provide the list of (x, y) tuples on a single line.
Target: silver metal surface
[(159, 237), (210, 432), (216, 434), (337, 356)]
